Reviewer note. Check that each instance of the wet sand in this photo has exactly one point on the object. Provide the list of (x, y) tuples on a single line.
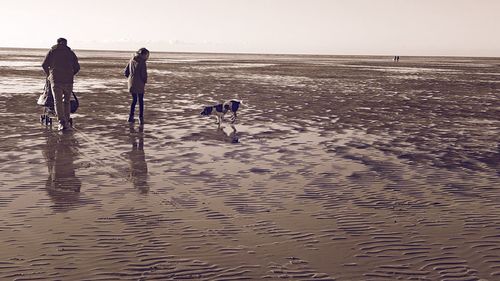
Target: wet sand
[(345, 168)]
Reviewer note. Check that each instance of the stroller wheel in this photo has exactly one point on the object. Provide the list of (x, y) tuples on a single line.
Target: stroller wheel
[(71, 122), (42, 118)]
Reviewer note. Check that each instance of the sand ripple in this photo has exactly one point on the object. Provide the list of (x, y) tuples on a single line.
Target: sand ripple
[(338, 169)]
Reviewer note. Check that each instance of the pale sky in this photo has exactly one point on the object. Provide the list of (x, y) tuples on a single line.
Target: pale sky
[(336, 27)]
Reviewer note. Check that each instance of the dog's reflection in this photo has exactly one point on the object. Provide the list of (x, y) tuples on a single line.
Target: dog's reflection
[(138, 170), (62, 184), (231, 136)]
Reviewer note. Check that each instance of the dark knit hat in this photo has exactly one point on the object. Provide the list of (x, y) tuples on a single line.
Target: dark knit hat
[(143, 51), (62, 41)]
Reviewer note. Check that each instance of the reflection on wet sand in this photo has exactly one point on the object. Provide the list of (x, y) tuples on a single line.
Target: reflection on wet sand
[(231, 136), (138, 171), (62, 184), (352, 174)]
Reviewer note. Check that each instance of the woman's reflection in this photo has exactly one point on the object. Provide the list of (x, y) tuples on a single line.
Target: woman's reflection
[(138, 173), (63, 186)]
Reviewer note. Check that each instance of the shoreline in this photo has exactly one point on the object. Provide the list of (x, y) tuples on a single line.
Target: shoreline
[(270, 54)]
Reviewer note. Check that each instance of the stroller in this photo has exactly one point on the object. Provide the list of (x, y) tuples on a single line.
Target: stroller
[(46, 100)]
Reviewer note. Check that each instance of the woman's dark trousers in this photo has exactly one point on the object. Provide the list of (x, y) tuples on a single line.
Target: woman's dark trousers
[(136, 97)]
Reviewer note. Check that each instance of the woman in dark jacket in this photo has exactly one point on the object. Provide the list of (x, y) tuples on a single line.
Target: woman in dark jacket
[(137, 74)]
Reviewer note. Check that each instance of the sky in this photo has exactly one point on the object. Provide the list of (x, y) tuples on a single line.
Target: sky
[(329, 27)]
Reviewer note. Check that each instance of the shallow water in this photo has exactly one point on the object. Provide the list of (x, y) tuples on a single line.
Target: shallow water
[(338, 168)]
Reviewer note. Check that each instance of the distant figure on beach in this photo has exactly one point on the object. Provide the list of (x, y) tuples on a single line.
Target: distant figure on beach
[(60, 66), (137, 74), (396, 58)]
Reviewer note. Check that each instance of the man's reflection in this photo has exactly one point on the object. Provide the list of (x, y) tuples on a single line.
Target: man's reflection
[(63, 186), (138, 173)]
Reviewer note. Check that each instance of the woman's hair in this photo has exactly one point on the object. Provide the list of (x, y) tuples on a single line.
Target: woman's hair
[(143, 51)]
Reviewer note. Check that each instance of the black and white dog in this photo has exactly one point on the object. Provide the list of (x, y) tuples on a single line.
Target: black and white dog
[(219, 110)]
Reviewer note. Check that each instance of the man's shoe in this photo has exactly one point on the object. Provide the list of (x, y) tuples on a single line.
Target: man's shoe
[(131, 119), (141, 120)]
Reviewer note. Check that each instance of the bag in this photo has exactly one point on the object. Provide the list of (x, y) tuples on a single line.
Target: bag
[(74, 103), (46, 99), (42, 99)]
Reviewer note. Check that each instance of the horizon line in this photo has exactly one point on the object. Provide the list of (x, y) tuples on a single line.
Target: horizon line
[(255, 53)]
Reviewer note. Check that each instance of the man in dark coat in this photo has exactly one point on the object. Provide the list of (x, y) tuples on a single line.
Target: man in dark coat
[(137, 74), (60, 66)]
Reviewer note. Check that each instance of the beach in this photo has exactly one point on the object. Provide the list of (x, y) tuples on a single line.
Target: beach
[(338, 168)]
